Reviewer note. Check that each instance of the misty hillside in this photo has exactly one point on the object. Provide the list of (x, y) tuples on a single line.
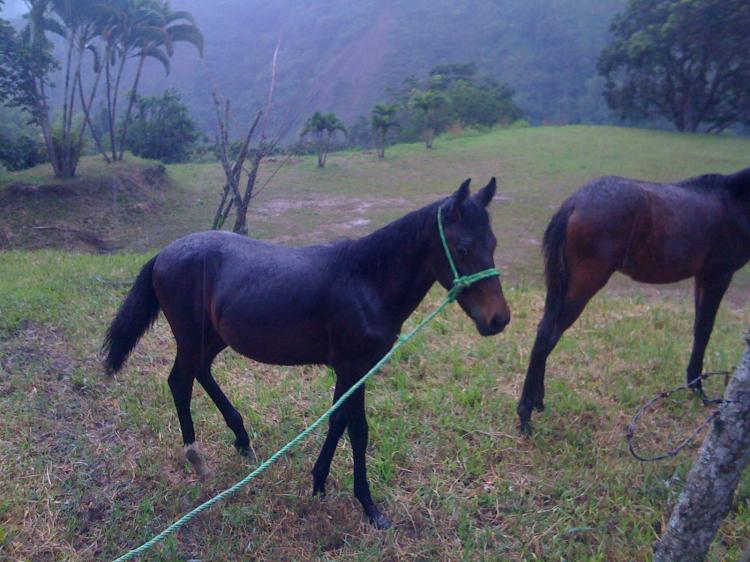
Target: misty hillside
[(342, 56)]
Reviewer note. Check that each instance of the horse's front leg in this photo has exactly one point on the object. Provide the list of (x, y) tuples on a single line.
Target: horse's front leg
[(336, 426), (708, 295), (358, 435)]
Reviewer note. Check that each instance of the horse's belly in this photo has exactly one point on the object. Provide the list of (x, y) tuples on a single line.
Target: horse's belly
[(664, 262), (289, 345)]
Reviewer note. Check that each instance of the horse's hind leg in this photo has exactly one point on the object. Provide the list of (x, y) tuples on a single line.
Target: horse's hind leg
[(232, 417), (708, 295), (586, 280), (181, 384)]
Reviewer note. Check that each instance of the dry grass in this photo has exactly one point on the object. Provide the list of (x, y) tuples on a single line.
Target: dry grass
[(92, 468)]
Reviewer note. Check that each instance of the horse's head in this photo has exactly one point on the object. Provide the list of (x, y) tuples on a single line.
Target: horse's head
[(471, 242)]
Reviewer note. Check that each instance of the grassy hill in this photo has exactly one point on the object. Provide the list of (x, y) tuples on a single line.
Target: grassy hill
[(93, 467), (536, 167)]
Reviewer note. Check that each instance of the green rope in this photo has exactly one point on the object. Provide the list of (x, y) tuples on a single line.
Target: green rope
[(459, 283)]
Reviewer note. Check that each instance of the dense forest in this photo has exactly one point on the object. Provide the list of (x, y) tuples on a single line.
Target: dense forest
[(345, 56)]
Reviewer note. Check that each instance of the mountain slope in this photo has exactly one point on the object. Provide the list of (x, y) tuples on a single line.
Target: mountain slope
[(342, 56)]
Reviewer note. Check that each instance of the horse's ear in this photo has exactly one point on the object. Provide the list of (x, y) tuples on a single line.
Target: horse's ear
[(462, 192), (486, 194), (456, 200)]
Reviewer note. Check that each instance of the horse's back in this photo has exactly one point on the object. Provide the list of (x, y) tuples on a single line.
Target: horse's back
[(225, 268), (652, 232)]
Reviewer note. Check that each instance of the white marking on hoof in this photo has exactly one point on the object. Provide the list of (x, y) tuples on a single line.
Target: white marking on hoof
[(195, 458)]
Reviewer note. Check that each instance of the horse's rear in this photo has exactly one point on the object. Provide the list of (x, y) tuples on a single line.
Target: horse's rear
[(218, 289), (654, 233)]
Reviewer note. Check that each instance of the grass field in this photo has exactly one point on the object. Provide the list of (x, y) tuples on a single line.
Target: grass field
[(92, 467)]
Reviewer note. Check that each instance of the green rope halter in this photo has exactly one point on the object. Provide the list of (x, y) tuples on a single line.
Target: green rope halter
[(460, 282)]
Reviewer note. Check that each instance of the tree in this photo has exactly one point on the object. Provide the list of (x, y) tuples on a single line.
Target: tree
[(484, 104), (383, 118), (323, 127), (140, 29), (20, 145), (683, 60), (707, 496), (162, 129), (17, 87), (433, 106)]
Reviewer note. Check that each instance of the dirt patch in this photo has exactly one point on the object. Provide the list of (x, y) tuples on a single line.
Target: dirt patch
[(81, 214), (358, 205)]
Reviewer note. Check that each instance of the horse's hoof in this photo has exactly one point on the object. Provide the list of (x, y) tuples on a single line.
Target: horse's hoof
[(380, 521), (539, 406), (319, 490), (524, 427), (242, 449), (700, 393), (196, 460)]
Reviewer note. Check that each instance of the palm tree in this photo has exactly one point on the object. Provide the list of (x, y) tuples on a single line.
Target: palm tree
[(76, 22), (141, 29), (179, 27), (429, 103), (323, 127), (383, 118)]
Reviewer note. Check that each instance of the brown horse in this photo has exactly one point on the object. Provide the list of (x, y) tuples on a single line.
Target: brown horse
[(340, 304), (651, 232)]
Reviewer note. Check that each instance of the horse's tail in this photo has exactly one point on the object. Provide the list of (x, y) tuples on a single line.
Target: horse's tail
[(135, 316), (555, 260)]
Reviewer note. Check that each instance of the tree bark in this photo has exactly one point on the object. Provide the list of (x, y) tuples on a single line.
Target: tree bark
[(707, 496), (87, 118), (240, 224), (126, 121)]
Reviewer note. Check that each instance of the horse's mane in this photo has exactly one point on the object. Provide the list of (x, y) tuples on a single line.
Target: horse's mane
[(738, 184), (704, 181), (400, 236)]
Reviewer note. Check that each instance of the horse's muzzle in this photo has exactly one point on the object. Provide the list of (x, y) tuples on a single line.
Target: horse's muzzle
[(494, 326)]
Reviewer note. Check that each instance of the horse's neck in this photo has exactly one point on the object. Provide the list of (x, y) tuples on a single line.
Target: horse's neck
[(739, 184), (394, 260)]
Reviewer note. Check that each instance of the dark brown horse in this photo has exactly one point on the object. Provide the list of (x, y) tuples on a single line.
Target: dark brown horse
[(340, 304), (654, 233)]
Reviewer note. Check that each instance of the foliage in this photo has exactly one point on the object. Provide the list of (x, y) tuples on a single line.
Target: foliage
[(20, 142), (140, 29), (684, 60), (434, 111), (19, 63), (361, 133), (383, 118), (484, 104), (110, 32), (452, 94), (323, 127), (162, 129)]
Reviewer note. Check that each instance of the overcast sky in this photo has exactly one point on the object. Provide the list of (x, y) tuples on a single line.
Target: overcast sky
[(13, 9)]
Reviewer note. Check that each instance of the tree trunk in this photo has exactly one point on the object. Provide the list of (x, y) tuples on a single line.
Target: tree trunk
[(65, 132), (110, 122), (429, 136), (126, 121), (240, 223), (113, 117), (321, 160), (43, 109), (87, 117), (707, 496)]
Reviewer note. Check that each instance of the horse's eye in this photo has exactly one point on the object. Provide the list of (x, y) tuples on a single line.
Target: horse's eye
[(462, 251)]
